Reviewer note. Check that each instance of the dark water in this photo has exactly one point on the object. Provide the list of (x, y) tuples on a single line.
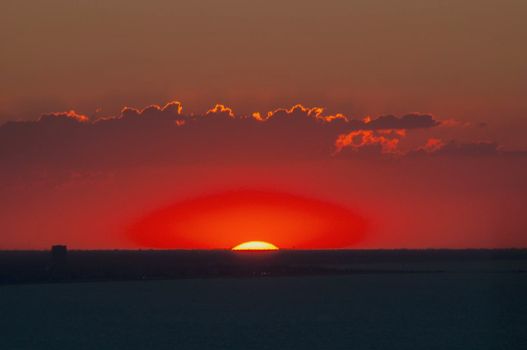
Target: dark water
[(368, 311)]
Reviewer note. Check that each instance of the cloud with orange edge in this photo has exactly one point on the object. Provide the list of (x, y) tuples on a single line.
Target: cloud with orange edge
[(387, 140)]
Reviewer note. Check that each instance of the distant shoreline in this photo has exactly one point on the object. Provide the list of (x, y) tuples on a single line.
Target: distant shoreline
[(62, 265), (282, 250)]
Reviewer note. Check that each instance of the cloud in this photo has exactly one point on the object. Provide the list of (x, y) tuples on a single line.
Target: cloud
[(165, 135), (171, 110), (472, 149), (220, 109), (384, 140), (454, 123), (408, 121), (62, 117), (435, 146)]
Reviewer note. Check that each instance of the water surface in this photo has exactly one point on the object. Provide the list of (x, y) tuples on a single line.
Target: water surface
[(365, 311)]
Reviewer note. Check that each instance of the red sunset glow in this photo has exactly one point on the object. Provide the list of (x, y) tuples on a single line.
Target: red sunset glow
[(224, 220)]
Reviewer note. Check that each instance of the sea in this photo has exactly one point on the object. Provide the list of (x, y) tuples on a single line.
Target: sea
[(419, 310)]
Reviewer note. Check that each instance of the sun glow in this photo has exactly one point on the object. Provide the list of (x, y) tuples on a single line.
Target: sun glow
[(226, 219), (255, 245)]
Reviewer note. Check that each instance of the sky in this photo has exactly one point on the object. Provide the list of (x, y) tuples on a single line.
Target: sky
[(407, 118)]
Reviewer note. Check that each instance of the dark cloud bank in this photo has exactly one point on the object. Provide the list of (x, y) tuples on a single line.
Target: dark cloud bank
[(166, 134)]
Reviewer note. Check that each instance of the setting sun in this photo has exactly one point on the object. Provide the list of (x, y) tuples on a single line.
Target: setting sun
[(255, 245)]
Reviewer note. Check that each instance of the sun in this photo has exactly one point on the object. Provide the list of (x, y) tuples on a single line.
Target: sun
[(255, 245)]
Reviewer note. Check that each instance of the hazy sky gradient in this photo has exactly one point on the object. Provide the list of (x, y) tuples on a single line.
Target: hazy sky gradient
[(457, 59)]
